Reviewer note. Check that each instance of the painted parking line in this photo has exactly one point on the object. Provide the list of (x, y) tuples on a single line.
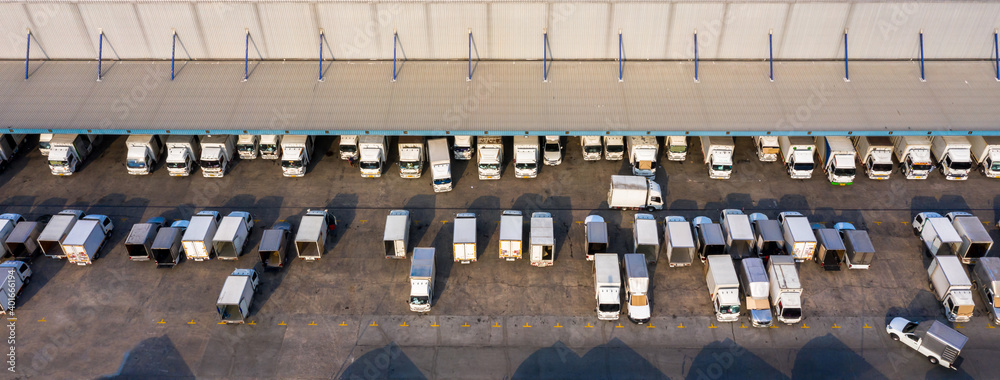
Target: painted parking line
[(588, 326), (404, 324), (466, 324), (558, 326), (373, 324), (282, 323), (160, 322), (496, 324), (344, 323), (650, 326), (866, 326), (526, 325), (313, 323), (435, 324), (192, 322), (681, 326), (712, 325), (221, 323), (42, 320), (835, 326), (252, 323)]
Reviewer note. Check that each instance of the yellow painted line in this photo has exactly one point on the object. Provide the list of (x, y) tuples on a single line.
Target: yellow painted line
[(444, 221), (558, 326), (774, 326), (313, 323), (804, 326), (282, 323), (905, 222), (42, 320), (363, 221), (588, 326), (866, 326), (650, 326), (344, 323), (404, 324), (12, 319), (742, 326), (466, 324), (281, 220), (579, 222), (496, 324), (416, 221), (878, 223), (681, 326), (835, 326), (526, 325), (986, 222), (712, 326), (958, 326), (252, 323), (373, 324), (989, 325), (435, 324), (192, 322), (619, 326), (221, 323)]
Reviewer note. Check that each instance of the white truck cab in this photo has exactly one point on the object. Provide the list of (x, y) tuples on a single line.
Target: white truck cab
[(553, 150), (246, 146)]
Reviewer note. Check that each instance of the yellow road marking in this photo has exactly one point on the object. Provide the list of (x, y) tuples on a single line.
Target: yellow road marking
[(192, 322), (878, 223), (835, 326), (444, 221), (866, 326), (619, 326), (466, 324), (42, 320), (558, 326), (742, 326), (712, 326), (404, 324), (373, 324), (681, 326), (496, 324), (252, 323), (435, 324), (588, 326), (161, 321), (282, 323), (774, 326), (344, 323), (363, 221), (221, 323), (804, 326), (313, 323), (526, 325), (650, 326), (958, 326)]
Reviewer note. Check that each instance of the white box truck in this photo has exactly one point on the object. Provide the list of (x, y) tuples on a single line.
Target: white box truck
[(937, 233), (464, 238), (596, 231), (217, 154), (914, 155), (553, 150), (860, 251), (709, 238), (490, 156), (614, 148), (412, 155), (8, 222), (50, 239), (83, 243), (197, 240), (875, 155), (646, 237), (756, 290), (237, 295), (139, 242), (986, 278), (797, 153), (636, 288), (374, 150), (270, 147), (143, 153), (16, 275), (592, 147), (66, 152), (607, 286), (310, 240), (952, 287), (167, 248), (182, 154), (246, 146), (936, 341), (273, 248), (231, 237), (642, 154), (634, 193), (739, 234), (296, 153), (786, 290), (526, 156), (723, 287), (348, 147), (22, 242), (511, 234), (465, 147), (676, 147), (837, 156), (421, 280), (953, 155), (976, 241), (679, 238), (767, 148), (800, 241), (768, 237), (718, 153), (10, 145), (397, 234), (542, 240), (437, 150), (986, 154)]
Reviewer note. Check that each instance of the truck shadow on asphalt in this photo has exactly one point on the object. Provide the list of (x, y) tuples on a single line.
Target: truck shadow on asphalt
[(728, 360), (421, 208), (20, 161), (613, 359), (923, 306), (99, 150), (444, 259), (826, 357), (485, 208), (152, 358), (344, 207), (388, 362), (322, 148)]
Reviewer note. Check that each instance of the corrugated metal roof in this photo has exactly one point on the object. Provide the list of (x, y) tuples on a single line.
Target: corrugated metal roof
[(503, 98)]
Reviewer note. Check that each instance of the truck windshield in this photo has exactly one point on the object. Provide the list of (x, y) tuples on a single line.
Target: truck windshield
[(731, 309), (722, 168), (844, 172), (791, 313), (420, 300), (995, 167), (592, 149), (881, 167), (244, 147), (58, 163), (268, 148), (348, 148), (524, 166), (135, 164), (958, 165), (489, 166), (43, 145), (921, 167), (291, 164), (176, 165), (462, 149), (442, 181), (803, 167), (609, 307), (409, 165), (551, 147), (616, 148), (370, 165), (210, 164), (678, 149)]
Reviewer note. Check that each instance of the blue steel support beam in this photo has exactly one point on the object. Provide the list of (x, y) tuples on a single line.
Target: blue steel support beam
[(922, 77), (770, 51), (545, 55), (395, 41), (246, 58), (996, 54), (27, 56), (469, 76), (321, 37), (696, 55), (847, 73), (173, 51), (621, 58), (100, 52)]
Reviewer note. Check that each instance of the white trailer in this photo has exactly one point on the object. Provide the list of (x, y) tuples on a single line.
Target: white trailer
[(397, 234), (490, 156), (739, 234), (800, 241), (976, 241), (718, 153), (914, 155), (679, 238), (607, 286), (952, 287), (786, 290), (676, 148), (937, 233), (542, 240), (143, 153), (642, 154), (83, 243), (767, 148), (986, 154), (296, 153), (464, 147), (310, 240), (374, 152), (464, 238), (217, 154), (421, 280), (592, 147), (182, 154), (437, 150), (348, 147), (837, 156), (511, 234), (50, 239), (636, 288), (723, 287), (597, 235), (270, 147), (231, 237), (197, 240), (412, 155), (16, 275), (246, 146), (553, 150), (645, 237), (139, 243), (614, 148), (237, 295), (797, 153), (526, 156), (756, 290), (875, 155), (634, 192), (954, 156)]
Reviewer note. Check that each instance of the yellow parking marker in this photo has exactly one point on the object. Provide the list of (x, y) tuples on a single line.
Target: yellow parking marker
[(989, 325), (313, 323), (496, 324), (282, 323), (986, 222), (558, 326), (958, 326), (363, 221), (712, 326), (743, 326), (804, 326), (252, 323), (221, 323), (435, 324), (404, 324), (579, 222), (526, 325), (878, 223), (619, 326), (344, 323), (681, 326), (774, 326), (160, 322), (444, 221), (650, 326), (416, 221), (192, 322), (866, 326), (373, 324), (588, 326), (835, 326), (42, 320), (466, 324), (905, 222)]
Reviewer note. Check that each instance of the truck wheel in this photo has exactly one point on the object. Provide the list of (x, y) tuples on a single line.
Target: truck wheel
[(932, 359), (650, 209), (894, 337)]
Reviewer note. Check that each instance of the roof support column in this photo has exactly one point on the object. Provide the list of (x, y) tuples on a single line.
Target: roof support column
[(996, 54), (621, 57), (770, 50), (922, 77), (246, 58), (321, 37), (469, 77), (100, 52), (173, 51), (395, 43), (696, 55), (27, 56), (545, 55), (847, 73)]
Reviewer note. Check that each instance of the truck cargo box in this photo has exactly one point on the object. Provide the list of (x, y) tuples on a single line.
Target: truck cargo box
[(860, 252), (55, 231), (231, 237), (829, 249), (680, 242), (22, 243), (597, 235), (542, 240), (166, 248), (139, 243), (768, 238), (273, 248), (511, 234), (84, 241), (397, 234), (976, 241)]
